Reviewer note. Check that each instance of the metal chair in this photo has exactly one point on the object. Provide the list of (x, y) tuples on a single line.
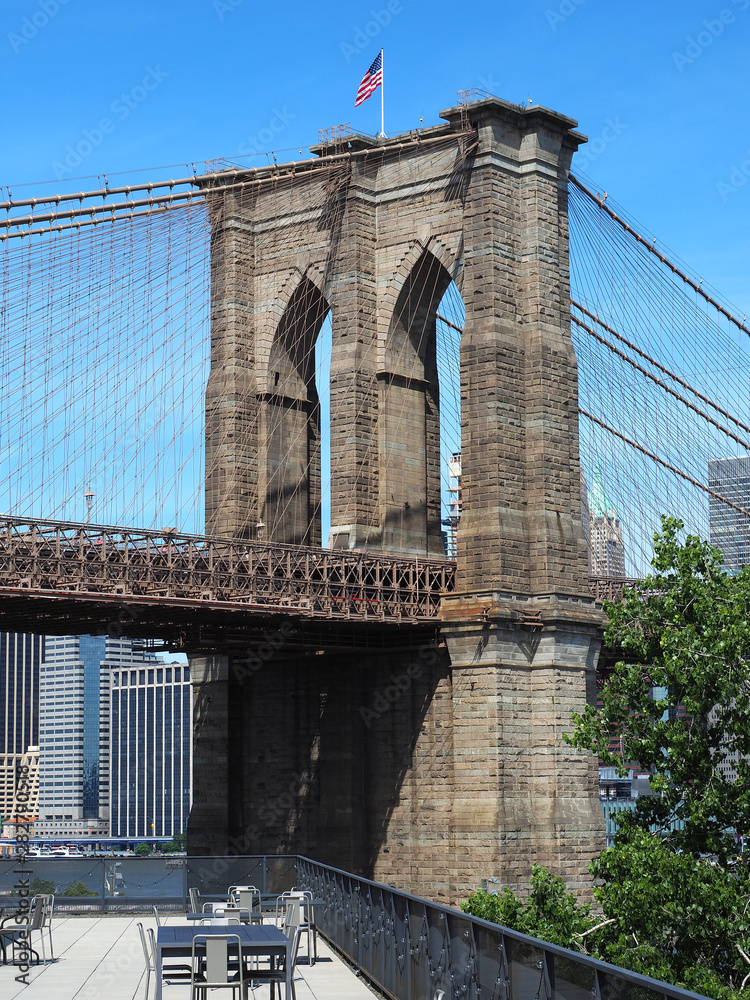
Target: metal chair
[(168, 972), (156, 916), (276, 976), (148, 958), (307, 921), (219, 968), (195, 900), (48, 905), (249, 899), (35, 923), (281, 905)]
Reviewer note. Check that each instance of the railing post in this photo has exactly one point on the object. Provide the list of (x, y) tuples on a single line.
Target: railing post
[(597, 986), (104, 886)]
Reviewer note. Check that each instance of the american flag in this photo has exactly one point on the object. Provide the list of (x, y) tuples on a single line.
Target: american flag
[(372, 79)]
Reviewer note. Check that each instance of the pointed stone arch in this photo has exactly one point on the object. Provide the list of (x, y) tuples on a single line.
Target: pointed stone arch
[(290, 429), (409, 407)]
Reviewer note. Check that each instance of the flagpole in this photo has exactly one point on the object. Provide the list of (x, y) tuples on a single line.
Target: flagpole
[(382, 95)]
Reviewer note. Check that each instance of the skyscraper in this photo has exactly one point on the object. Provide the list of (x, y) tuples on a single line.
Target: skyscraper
[(605, 541), (75, 732), (152, 721), (20, 659), (729, 529)]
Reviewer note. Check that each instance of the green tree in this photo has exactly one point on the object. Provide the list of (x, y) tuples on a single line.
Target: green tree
[(684, 631), (79, 889), (673, 915), (178, 843), (142, 849), (549, 913), (671, 901), (42, 887)]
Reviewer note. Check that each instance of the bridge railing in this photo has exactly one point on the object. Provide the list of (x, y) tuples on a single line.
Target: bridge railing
[(413, 949), (165, 565), (410, 947)]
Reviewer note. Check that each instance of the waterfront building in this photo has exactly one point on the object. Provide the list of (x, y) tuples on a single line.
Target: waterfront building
[(74, 732), (20, 660), (151, 750)]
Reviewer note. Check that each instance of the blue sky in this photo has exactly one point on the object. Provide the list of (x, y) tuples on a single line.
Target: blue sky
[(663, 88)]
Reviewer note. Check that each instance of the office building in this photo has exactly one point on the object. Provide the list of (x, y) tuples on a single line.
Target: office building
[(151, 752), (74, 732), (729, 529), (604, 532), (450, 523), (20, 660)]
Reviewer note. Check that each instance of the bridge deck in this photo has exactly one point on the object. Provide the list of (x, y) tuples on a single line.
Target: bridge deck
[(63, 577), (194, 590)]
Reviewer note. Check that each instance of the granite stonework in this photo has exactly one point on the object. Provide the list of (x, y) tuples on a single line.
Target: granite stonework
[(434, 767)]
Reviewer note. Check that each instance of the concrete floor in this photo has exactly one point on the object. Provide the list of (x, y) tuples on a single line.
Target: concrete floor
[(100, 958)]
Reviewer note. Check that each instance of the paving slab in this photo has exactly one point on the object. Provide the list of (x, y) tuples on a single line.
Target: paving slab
[(100, 958)]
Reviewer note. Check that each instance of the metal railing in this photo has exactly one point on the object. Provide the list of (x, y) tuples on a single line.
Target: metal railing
[(125, 883), (408, 947), (412, 949), (165, 567)]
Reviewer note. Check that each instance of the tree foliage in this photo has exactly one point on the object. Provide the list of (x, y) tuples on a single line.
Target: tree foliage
[(79, 889), (42, 887), (177, 844), (142, 849), (684, 630), (670, 901), (549, 913)]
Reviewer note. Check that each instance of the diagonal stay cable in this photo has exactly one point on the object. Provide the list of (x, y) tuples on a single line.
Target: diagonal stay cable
[(660, 383), (672, 468), (696, 286), (652, 361)]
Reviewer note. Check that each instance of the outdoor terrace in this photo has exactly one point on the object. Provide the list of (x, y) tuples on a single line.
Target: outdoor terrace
[(100, 956), (405, 947)]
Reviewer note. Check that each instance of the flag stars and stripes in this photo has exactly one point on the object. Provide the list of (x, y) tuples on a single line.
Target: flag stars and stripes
[(372, 79)]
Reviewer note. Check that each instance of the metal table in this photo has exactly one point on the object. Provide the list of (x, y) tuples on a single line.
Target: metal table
[(257, 940)]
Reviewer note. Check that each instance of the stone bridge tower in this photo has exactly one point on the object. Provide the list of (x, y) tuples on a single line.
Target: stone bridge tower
[(437, 765)]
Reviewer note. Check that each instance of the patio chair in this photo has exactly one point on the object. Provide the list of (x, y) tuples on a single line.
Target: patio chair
[(35, 923), (277, 976), (281, 906), (156, 916), (48, 905), (249, 899), (195, 900), (168, 972), (306, 921), (220, 970)]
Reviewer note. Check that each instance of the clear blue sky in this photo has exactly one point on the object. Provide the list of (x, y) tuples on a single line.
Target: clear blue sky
[(224, 75)]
